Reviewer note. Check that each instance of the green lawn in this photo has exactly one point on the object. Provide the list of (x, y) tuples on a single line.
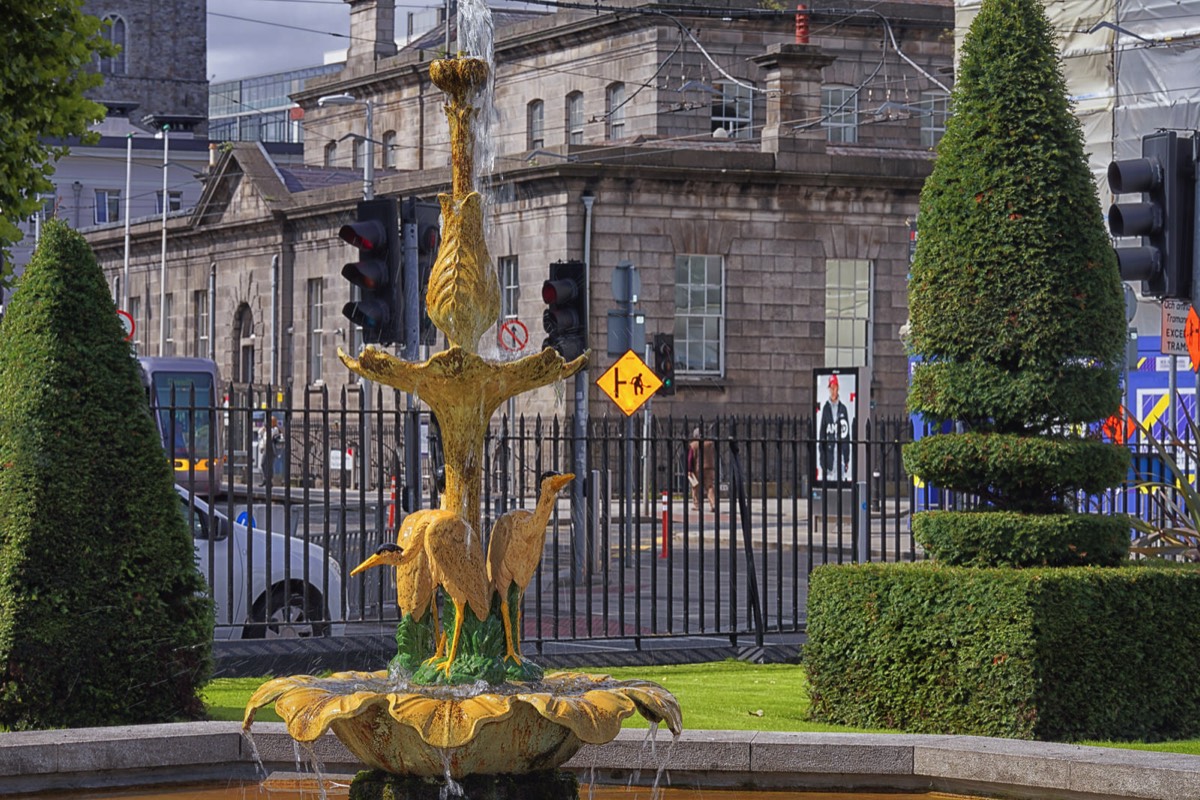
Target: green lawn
[(724, 695)]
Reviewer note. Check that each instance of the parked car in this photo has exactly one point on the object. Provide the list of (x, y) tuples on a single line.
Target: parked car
[(263, 585)]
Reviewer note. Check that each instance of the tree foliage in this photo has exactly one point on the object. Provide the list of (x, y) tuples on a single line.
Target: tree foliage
[(1015, 297), (45, 49), (102, 615)]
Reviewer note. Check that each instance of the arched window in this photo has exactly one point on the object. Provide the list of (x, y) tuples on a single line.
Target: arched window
[(331, 154), (243, 344), (114, 33), (615, 111), (575, 118), (389, 150), (536, 127)]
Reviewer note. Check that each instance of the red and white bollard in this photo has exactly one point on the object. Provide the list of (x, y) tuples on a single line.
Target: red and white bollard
[(392, 506), (666, 527)]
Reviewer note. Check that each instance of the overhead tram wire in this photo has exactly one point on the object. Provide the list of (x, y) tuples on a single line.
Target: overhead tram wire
[(688, 10)]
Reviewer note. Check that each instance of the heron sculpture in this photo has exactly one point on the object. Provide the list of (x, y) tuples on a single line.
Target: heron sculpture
[(443, 543), (414, 580), (514, 550)]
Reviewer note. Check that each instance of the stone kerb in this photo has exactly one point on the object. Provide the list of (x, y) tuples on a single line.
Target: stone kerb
[(216, 751)]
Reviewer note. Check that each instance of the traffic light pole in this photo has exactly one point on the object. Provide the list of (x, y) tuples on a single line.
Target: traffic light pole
[(630, 432), (579, 517), (412, 352)]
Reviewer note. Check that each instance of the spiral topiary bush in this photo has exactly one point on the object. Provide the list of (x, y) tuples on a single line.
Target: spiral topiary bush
[(1015, 297)]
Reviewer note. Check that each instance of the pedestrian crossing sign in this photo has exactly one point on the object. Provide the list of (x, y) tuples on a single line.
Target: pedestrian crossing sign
[(629, 382)]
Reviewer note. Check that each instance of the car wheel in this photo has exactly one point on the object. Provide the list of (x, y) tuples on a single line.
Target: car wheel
[(291, 617)]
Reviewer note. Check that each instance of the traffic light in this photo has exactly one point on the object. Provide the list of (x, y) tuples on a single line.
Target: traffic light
[(664, 361), (565, 319), (379, 308), (1165, 217), (426, 215)]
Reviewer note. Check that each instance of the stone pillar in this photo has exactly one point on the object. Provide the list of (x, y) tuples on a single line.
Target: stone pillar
[(793, 84), (372, 30)]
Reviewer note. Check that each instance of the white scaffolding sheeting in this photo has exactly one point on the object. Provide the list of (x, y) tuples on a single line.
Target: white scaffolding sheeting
[(1131, 66)]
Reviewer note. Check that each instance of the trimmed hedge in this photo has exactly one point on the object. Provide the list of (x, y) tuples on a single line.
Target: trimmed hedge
[(1052, 654), (993, 465), (1012, 539)]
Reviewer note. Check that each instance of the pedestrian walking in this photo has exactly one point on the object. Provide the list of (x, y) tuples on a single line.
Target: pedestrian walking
[(701, 469)]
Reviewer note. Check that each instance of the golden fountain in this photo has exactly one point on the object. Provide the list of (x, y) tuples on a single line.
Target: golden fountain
[(459, 700)]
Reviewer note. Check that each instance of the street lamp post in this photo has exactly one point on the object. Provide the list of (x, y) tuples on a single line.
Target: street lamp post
[(162, 281), (128, 193), (368, 138)]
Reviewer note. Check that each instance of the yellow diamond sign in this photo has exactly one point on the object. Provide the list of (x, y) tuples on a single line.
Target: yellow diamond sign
[(629, 382)]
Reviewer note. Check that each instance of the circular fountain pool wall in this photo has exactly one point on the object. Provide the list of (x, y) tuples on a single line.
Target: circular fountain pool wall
[(39, 761)]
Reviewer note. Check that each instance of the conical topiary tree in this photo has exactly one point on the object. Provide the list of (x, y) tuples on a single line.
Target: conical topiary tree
[(1016, 311), (102, 615)]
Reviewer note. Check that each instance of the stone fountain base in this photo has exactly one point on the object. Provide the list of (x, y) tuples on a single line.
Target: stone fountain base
[(554, 784)]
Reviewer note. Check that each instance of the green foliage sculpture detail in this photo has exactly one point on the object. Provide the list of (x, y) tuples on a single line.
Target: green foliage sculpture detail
[(1015, 298), (48, 46), (102, 615)]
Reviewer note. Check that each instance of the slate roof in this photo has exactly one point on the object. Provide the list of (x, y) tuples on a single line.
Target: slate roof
[(304, 178)]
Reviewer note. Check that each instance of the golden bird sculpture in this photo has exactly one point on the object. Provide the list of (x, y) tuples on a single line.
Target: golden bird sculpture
[(514, 551), (454, 555), (414, 579)]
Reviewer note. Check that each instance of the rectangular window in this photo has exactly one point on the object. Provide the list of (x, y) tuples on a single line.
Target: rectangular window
[(935, 110), (316, 328), (200, 316), (169, 325), (575, 118), (537, 125), (733, 110), (699, 314), (175, 200), (108, 206), (389, 150), (139, 324), (847, 312), (616, 111), (359, 150), (839, 110), (510, 286)]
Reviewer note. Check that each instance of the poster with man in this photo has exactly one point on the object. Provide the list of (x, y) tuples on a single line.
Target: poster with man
[(836, 391)]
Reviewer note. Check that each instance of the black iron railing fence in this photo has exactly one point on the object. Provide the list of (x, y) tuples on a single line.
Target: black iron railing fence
[(645, 563)]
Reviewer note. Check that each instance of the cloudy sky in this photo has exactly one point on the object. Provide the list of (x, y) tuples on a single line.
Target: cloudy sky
[(256, 37)]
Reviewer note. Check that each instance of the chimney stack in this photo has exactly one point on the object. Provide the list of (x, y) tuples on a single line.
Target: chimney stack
[(372, 30), (793, 85)]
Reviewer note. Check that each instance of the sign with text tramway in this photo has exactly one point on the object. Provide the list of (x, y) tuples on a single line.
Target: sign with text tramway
[(1174, 326)]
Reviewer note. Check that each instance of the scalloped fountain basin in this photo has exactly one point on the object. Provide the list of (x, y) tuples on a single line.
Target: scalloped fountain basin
[(454, 731)]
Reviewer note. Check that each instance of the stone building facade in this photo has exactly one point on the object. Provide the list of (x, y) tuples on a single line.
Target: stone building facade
[(764, 189), (160, 71), (158, 79)]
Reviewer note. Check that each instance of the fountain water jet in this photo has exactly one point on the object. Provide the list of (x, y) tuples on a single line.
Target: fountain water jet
[(458, 701)]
